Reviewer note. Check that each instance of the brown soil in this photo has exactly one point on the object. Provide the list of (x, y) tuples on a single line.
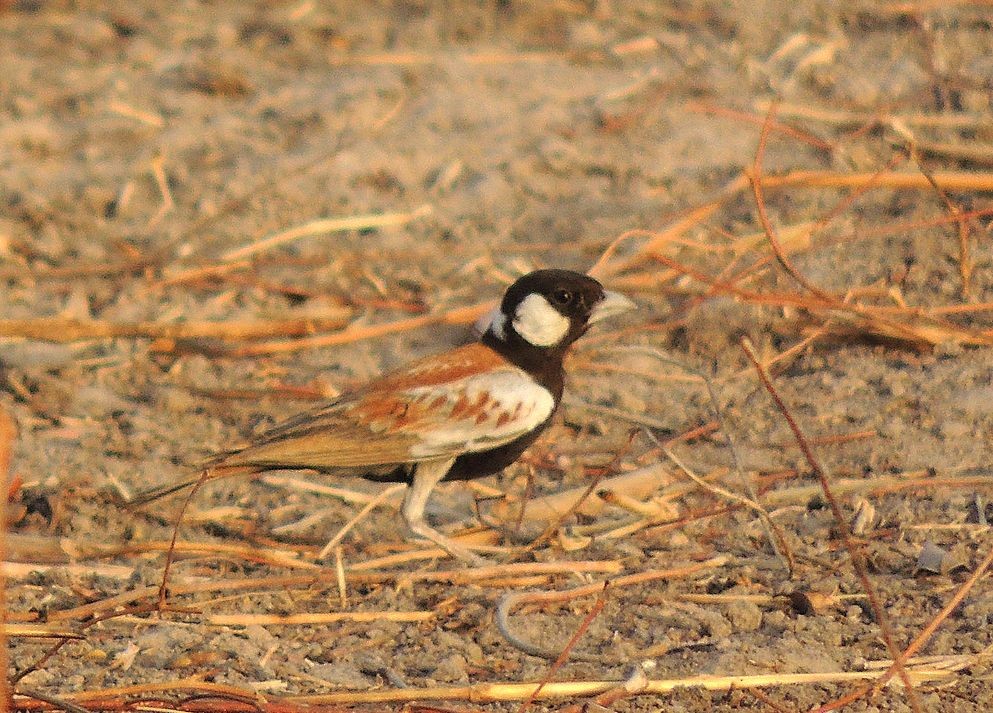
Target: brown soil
[(144, 143)]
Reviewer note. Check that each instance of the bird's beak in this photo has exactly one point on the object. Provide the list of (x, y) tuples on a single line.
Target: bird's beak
[(611, 304)]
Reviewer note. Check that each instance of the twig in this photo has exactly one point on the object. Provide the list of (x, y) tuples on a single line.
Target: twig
[(784, 129), (871, 319), (601, 601), (777, 540), (928, 631), (637, 484), (163, 587), (454, 576), (309, 486), (755, 177), (555, 524), (955, 212), (602, 264), (763, 698), (776, 537), (660, 240), (638, 419), (513, 600), (854, 553)]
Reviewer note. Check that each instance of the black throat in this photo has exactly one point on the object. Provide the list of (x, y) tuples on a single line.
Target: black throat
[(543, 364)]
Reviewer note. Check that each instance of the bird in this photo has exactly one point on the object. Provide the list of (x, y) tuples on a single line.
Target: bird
[(462, 414)]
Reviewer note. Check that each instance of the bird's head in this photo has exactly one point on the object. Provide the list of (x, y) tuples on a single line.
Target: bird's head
[(550, 309)]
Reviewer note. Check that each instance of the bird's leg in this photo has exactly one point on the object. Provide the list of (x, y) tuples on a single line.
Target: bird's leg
[(428, 474)]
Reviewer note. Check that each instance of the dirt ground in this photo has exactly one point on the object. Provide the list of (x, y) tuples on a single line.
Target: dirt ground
[(143, 147)]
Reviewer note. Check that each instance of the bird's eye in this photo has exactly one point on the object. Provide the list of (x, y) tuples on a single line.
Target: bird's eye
[(562, 296)]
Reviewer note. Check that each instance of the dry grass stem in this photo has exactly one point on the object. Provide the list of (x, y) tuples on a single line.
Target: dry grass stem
[(357, 333), (658, 242), (577, 404), (746, 117), (977, 153), (639, 484), (777, 540), (755, 177), (851, 319), (38, 631), (946, 120), (131, 598), (53, 329), (339, 577), (318, 618), (109, 699), (162, 183), (493, 692), (382, 497), (145, 117), (327, 225), (8, 436), (26, 570), (473, 575), (270, 556), (308, 486), (473, 540), (877, 485), (964, 181), (776, 535), (407, 59)]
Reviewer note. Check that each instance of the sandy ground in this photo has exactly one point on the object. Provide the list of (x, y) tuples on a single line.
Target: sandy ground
[(143, 146)]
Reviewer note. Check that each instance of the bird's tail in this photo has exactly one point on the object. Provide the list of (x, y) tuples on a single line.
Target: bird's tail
[(206, 475)]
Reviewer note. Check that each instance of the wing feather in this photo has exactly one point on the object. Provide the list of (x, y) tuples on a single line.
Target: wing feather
[(470, 401)]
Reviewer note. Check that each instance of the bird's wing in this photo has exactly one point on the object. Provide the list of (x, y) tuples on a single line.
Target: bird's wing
[(467, 400)]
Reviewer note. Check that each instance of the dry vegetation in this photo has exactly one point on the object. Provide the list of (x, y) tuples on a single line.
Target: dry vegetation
[(814, 312)]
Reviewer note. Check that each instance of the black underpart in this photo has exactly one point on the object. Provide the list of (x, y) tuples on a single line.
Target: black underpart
[(470, 466)]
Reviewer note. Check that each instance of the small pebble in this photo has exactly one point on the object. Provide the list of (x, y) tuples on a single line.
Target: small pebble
[(451, 668), (744, 616)]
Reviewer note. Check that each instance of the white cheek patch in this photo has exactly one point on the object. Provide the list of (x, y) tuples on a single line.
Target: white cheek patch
[(539, 323)]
